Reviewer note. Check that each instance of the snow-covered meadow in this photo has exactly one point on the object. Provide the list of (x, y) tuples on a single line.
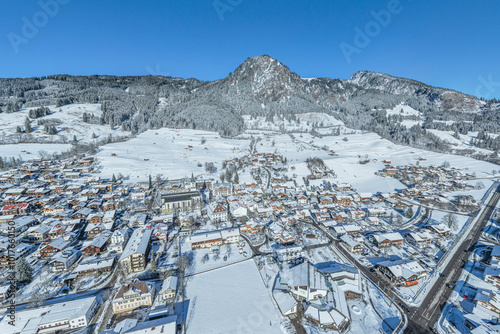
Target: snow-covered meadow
[(179, 153), (239, 305), (69, 124)]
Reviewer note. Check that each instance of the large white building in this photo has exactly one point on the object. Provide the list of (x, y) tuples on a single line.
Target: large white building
[(215, 238), (134, 256), (133, 295), (217, 212), (50, 319), (305, 282)]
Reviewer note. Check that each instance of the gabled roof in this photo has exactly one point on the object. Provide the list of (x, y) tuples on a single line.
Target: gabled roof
[(59, 243), (138, 243), (139, 287), (169, 284)]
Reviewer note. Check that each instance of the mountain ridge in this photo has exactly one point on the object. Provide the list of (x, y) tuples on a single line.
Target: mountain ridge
[(259, 86)]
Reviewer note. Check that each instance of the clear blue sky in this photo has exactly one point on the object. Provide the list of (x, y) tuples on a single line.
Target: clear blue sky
[(449, 43)]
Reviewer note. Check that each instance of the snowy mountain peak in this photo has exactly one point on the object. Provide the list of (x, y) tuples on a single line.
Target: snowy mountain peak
[(266, 78)]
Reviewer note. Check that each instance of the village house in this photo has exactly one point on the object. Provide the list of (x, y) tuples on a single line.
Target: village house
[(215, 238), (439, 229), (95, 218), (343, 200), (419, 238), (22, 224), (82, 214), (252, 226), (94, 266), (489, 301), (53, 247), (288, 254), (222, 189), (346, 276), (376, 212), (350, 229), (302, 199), (16, 209), (94, 229), (119, 239), (168, 289), (286, 303), (402, 271), (305, 282), (132, 296), (492, 275), (9, 256), (37, 233), (160, 232), (63, 260), (264, 212), (330, 314), (96, 245), (351, 245), (217, 212), (238, 209), (160, 325), (356, 214), (386, 239), (322, 216)]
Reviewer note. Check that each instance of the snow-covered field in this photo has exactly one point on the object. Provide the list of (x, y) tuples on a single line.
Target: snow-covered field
[(166, 151), (239, 305), (204, 259), (68, 120), (31, 151)]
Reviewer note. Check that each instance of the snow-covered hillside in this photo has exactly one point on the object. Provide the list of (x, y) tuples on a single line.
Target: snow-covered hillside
[(167, 152), (172, 152), (403, 110), (304, 122), (67, 119)]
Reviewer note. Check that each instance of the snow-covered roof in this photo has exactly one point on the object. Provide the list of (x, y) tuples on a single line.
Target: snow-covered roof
[(167, 325), (59, 243), (94, 264), (305, 275), (349, 241), (393, 236), (138, 243), (341, 229), (284, 300), (403, 268), (495, 251), (169, 284), (205, 236), (440, 228), (331, 267), (421, 236), (326, 314), (230, 232)]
